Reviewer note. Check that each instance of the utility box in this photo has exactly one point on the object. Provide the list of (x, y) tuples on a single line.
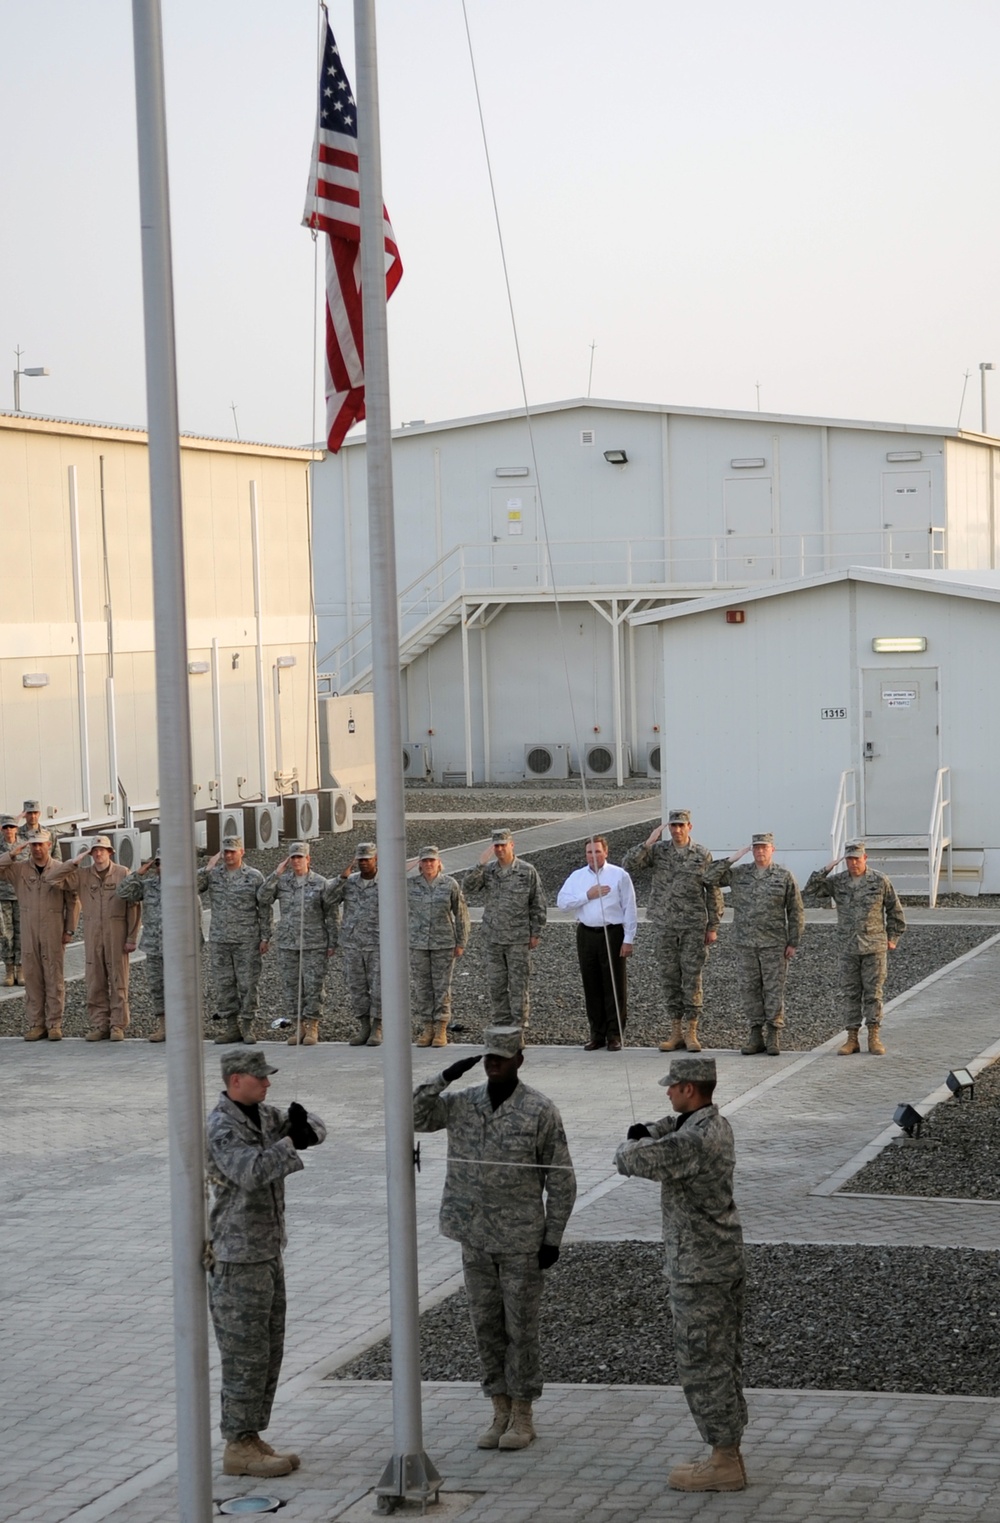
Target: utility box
[(261, 826), (336, 810), (300, 820), (347, 744), (220, 823)]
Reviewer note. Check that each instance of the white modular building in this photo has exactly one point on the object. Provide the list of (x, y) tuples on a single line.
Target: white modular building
[(525, 557), (862, 702)]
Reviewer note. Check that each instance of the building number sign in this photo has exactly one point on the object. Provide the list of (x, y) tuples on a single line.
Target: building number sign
[(833, 713)]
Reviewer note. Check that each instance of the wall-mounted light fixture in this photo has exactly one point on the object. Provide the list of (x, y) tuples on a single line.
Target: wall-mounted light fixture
[(616, 457), (897, 456), (234, 663), (899, 645), (197, 668), (736, 616), (285, 661), (513, 470), (35, 679), (750, 463)]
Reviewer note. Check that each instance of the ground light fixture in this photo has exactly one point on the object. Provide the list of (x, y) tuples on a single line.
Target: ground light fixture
[(616, 457), (908, 1118), (242, 1506), (961, 1083)]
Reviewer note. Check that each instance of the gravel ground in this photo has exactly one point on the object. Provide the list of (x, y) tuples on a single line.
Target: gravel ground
[(913, 1320), (957, 1154), (564, 797)]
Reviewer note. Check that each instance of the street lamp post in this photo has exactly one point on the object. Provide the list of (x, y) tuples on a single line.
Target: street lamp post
[(18, 373), (983, 367)]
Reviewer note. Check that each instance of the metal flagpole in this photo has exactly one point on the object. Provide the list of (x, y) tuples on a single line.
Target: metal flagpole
[(181, 958), (409, 1473)]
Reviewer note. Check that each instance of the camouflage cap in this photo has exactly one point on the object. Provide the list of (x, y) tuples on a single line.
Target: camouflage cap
[(232, 843), (690, 1070), (365, 851), (240, 1061), (499, 836), (31, 806), (429, 854), (503, 1041), (855, 849), (39, 837), (8, 822), (763, 838), (104, 841), (679, 817), (299, 849)]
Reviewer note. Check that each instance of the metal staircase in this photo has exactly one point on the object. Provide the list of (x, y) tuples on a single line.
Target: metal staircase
[(914, 862)]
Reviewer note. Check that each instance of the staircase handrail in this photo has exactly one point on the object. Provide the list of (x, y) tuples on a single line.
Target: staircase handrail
[(938, 834), (847, 803)]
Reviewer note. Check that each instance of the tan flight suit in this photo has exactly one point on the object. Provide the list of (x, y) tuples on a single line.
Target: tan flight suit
[(108, 923), (50, 909)]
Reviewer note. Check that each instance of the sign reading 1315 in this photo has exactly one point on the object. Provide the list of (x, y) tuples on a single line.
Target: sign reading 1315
[(833, 713)]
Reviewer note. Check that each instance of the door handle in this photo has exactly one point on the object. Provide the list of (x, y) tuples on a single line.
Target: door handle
[(869, 750)]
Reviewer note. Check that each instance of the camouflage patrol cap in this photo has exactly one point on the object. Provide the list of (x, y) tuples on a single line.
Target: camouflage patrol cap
[(104, 841), (232, 843), (298, 849), (503, 1041), (690, 1070), (679, 817), (763, 838), (429, 854), (366, 851), (239, 1061), (39, 837), (499, 836), (7, 822), (855, 849), (31, 806)]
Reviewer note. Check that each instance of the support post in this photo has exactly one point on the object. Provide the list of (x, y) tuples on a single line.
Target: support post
[(181, 956), (616, 690), (217, 722), (81, 650), (258, 615), (408, 1474), (466, 694)]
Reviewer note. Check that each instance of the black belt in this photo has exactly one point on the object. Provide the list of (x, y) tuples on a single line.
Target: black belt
[(600, 929)]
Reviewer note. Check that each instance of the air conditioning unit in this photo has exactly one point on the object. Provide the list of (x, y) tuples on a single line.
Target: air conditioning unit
[(68, 847), (222, 822), (336, 810), (599, 761), (416, 759), (128, 846), (261, 826), (154, 837), (300, 817), (653, 758), (544, 760)]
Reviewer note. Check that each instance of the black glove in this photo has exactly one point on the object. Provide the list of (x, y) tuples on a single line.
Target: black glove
[(547, 1255), (299, 1130), (636, 1131), (461, 1067)]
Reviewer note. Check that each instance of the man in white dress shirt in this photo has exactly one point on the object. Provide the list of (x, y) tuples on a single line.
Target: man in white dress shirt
[(603, 900)]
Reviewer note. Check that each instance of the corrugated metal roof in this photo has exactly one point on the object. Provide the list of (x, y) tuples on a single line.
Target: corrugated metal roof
[(46, 423)]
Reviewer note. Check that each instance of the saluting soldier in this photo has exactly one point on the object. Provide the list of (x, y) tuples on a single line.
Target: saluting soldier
[(870, 920), (238, 939), (50, 913), (768, 921), (110, 932), (143, 886), (439, 932), (10, 912), (514, 912), (306, 938), (357, 890), (685, 912), (31, 823)]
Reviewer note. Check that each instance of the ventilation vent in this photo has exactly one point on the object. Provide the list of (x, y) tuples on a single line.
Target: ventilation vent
[(588, 436)]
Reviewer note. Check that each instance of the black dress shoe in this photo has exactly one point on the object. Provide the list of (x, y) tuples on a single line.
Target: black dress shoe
[(593, 1046), (614, 1045)]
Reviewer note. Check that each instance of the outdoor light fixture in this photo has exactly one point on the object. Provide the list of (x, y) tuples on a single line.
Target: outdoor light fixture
[(197, 668), (961, 1082), (513, 470), (35, 679), (897, 456), (285, 661), (899, 644), (736, 616), (909, 1118), (751, 463), (18, 373), (616, 457)]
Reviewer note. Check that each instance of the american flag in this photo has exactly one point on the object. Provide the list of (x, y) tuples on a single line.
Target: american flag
[(333, 207)]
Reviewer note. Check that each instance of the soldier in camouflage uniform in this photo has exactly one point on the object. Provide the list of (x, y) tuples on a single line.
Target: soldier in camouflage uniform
[(439, 931), (768, 921), (870, 921), (306, 937), (685, 913), (691, 1153), (509, 1220), (357, 890), (238, 939), (251, 1148), (514, 913), (143, 887), (10, 912)]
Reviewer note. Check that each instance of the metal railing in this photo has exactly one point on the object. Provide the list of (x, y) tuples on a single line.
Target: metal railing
[(845, 807), (939, 834)]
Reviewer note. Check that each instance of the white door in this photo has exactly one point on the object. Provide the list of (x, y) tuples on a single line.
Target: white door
[(516, 556), (901, 748), (906, 519), (748, 552)]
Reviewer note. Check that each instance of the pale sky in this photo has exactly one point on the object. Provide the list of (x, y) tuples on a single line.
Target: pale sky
[(798, 194)]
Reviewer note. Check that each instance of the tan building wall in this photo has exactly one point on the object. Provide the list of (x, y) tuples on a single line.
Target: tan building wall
[(42, 727)]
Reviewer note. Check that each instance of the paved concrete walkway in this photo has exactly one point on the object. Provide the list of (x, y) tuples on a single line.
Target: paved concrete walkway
[(86, 1407)]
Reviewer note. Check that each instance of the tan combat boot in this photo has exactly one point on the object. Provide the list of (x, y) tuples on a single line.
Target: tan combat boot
[(440, 1034), (520, 1430), (375, 1040), (159, 1031), (19, 975), (424, 1039), (36, 1034), (117, 1034), (230, 1033), (55, 1033), (691, 1041), (97, 1036), (310, 1033), (282, 1454), (242, 1457), (773, 1041), (362, 1034), (721, 1471), (851, 1045), (675, 1041), (491, 1436), (8, 975), (875, 1043), (754, 1042)]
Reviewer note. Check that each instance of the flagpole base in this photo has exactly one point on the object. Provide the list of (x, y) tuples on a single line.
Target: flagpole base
[(407, 1478)]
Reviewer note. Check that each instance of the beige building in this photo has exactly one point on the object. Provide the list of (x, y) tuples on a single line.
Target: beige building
[(77, 685)]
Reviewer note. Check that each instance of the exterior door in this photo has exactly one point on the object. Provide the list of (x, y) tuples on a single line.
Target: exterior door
[(749, 521), (516, 556), (901, 748), (906, 519)]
